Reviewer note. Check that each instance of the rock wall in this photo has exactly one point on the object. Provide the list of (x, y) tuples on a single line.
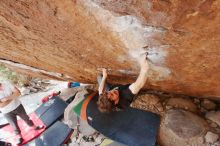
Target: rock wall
[(76, 37)]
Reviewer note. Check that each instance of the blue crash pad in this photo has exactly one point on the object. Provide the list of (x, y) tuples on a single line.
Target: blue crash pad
[(51, 110), (131, 126), (55, 135)]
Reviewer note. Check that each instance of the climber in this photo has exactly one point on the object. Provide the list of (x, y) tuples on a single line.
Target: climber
[(120, 96), (11, 106)]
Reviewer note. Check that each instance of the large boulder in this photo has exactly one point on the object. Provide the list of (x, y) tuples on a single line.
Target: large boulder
[(182, 128), (73, 38)]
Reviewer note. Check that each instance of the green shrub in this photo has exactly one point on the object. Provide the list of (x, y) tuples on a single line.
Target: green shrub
[(7, 74)]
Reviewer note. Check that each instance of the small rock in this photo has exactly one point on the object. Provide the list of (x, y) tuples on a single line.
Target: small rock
[(203, 110), (196, 100), (159, 107), (216, 130), (214, 116), (201, 139), (182, 103), (24, 91), (149, 98), (209, 105), (209, 121), (211, 137), (99, 139), (214, 125), (217, 143), (168, 107), (33, 89)]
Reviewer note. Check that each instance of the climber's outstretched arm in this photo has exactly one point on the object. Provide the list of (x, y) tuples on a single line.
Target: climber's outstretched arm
[(142, 78), (103, 81)]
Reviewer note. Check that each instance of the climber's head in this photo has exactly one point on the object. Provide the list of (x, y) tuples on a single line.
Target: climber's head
[(108, 100)]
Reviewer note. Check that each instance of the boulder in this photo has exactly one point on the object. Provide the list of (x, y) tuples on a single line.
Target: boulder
[(182, 128), (182, 103), (176, 120), (71, 39), (211, 137)]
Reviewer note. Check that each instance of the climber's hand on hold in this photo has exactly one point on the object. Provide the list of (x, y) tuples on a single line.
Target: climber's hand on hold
[(143, 61), (104, 73)]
